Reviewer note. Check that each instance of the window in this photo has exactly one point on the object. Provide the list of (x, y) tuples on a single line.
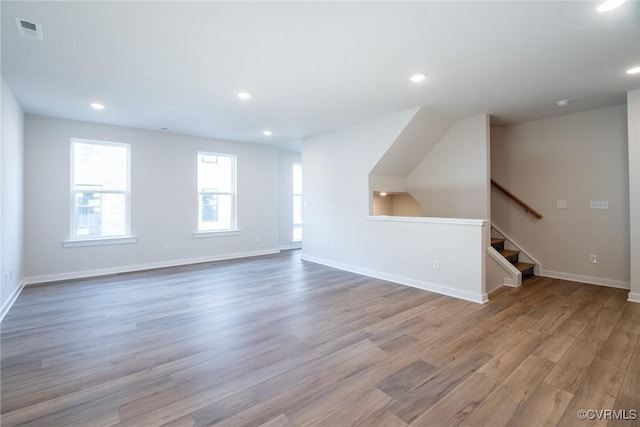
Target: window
[(216, 192), (100, 189), (297, 202)]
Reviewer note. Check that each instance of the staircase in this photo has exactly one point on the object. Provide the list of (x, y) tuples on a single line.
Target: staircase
[(512, 256)]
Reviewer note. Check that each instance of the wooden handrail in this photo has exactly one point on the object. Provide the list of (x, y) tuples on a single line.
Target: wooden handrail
[(523, 205)]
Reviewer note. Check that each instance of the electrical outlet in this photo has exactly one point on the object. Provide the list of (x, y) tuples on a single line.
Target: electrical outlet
[(561, 204), (599, 204), (165, 246), (436, 264), (257, 239), (593, 259), (326, 245)]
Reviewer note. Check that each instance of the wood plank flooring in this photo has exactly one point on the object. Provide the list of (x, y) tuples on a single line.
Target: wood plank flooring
[(277, 342)]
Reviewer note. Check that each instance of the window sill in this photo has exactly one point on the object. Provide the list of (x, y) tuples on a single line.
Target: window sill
[(99, 242), (221, 233)]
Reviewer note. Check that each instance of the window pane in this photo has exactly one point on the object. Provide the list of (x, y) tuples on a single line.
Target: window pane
[(297, 209), (216, 173), (215, 212), (216, 192), (297, 178), (100, 166), (100, 214), (209, 207), (297, 233)]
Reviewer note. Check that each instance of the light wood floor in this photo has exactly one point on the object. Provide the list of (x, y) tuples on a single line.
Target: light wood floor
[(275, 341)]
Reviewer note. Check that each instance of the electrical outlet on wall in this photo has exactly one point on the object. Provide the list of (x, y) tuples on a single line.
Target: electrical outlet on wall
[(436, 264), (593, 259), (561, 204)]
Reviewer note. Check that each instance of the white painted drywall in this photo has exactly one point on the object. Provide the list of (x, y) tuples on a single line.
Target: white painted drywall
[(11, 200), (286, 161), (452, 180), (577, 158), (339, 233), (163, 198), (633, 125), (415, 141)]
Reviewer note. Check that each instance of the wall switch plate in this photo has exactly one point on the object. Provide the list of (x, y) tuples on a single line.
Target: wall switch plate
[(436, 264), (599, 204), (561, 204)]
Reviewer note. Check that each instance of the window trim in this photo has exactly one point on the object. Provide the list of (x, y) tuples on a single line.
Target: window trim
[(99, 240), (199, 233)]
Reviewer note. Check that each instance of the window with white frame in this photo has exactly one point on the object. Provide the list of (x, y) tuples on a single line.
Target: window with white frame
[(100, 189), (216, 192), (297, 202)]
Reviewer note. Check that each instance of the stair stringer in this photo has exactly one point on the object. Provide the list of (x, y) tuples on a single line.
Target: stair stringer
[(514, 279), (513, 245)]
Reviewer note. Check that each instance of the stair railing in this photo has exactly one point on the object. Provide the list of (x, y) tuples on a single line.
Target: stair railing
[(528, 209)]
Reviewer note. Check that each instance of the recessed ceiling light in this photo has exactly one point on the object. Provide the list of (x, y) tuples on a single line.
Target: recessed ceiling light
[(244, 95), (634, 70), (562, 102), (417, 78), (267, 132), (97, 106), (164, 128), (608, 5), (383, 193)]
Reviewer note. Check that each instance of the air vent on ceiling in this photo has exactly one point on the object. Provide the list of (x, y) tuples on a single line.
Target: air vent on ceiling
[(29, 29)]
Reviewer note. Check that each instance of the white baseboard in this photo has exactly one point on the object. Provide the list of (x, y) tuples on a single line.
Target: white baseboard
[(12, 299), (444, 290), (139, 267), (634, 297), (585, 279), (291, 246)]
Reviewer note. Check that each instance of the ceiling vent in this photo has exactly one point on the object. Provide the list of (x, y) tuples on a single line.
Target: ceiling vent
[(29, 29)]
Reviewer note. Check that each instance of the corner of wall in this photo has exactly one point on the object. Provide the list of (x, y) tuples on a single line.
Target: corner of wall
[(633, 135), (11, 199)]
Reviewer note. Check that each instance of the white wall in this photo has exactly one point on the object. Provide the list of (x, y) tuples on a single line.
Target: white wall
[(164, 201), (338, 231), (577, 158), (11, 200), (452, 181), (415, 141), (287, 159), (633, 121)]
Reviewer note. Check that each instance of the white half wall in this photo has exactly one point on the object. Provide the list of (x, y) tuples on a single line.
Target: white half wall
[(163, 198), (633, 125), (338, 231), (574, 158), (11, 200)]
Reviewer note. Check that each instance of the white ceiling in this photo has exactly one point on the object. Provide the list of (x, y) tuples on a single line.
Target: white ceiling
[(314, 67)]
